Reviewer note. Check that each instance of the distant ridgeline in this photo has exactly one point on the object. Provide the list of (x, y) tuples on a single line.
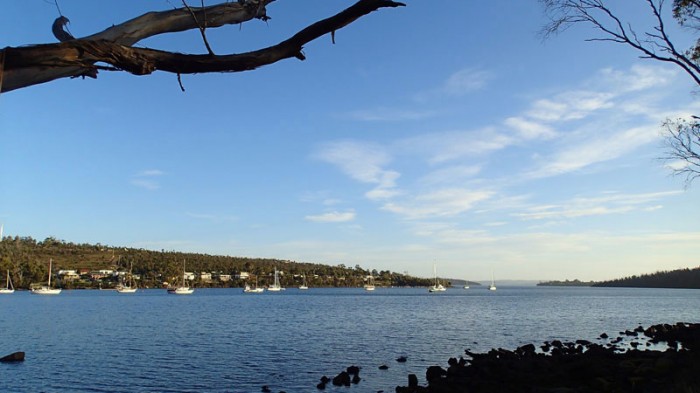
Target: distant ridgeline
[(681, 278), (567, 283), (101, 266)]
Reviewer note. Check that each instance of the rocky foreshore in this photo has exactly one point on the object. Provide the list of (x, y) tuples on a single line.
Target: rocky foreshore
[(661, 358)]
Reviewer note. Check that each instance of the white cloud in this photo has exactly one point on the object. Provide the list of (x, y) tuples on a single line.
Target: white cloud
[(583, 153), (332, 217), (145, 179), (611, 203), (364, 163), (466, 80), (452, 145), (569, 106), (451, 174), (528, 129), (440, 203), (637, 78)]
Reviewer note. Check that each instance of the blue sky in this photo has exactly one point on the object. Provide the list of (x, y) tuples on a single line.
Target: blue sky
[(452, 135)]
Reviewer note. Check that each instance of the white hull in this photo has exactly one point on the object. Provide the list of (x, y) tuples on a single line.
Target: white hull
[(248, 289), (126, 290), (369, 288), (46, 291), (303, 287), (276, 287), (437, 287), (10, 288), (181, 291)]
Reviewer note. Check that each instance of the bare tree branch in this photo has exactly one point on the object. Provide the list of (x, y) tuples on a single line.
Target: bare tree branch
[(30, 65)]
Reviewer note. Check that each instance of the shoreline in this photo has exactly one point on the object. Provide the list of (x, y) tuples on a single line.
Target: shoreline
[(629, 363)]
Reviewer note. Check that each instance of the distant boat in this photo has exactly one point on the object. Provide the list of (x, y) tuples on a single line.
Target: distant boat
[(46, 289), (492, 287), (466, 284), (248, 289), (184, 289), (129, 287), (303, 286), (276, 287), (9, 288), (437, 287), (370, 284)]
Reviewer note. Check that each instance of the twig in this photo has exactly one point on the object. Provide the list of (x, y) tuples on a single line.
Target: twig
[(179, 80), (201, 28)]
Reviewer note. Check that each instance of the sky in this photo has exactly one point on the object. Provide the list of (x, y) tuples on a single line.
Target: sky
[(451, 135)]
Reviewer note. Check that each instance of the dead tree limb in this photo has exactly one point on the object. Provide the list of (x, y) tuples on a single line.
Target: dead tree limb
[(30, 65)]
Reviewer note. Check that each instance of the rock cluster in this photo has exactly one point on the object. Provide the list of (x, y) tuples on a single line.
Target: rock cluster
[(579, 366)]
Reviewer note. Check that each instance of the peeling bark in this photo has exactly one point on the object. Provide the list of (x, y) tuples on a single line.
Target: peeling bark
[(30, 65)]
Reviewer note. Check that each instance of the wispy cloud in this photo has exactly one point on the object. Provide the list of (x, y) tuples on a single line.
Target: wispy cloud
[(466, 80), (363, 162), (585, 152), (441, 147), (446, 202), (332, 217), (211, 217), (391, 114), (147, 179), (612, 203)]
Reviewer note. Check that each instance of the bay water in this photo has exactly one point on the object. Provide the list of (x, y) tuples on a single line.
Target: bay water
[(222, 340)]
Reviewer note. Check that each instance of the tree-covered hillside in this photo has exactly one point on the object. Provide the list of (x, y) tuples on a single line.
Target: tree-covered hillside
[(681, 278), (27, 260)]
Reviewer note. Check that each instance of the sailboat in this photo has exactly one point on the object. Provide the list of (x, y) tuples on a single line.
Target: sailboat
[(303, 285), (184, 289), (248, 289), (370, 284), (46, 289), (9, 288), (492, 287), (437, 287), (129, 287), (276, 287)]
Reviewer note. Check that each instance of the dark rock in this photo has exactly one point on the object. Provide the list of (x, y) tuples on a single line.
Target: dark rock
[(401, 359), (383, 367), (342, 379), (13, 357), (577, 367), (266, 389), (434, 373), (325, 379), (412, 380), (604, 335), (353, 370), (355, 379), (321, 386)]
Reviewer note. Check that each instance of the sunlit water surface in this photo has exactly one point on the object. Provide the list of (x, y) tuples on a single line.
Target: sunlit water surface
[(221, 340)]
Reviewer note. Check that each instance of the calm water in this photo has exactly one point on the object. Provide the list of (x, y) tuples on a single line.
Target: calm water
[(221, 340)]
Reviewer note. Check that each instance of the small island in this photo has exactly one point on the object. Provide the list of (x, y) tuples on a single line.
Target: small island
[(566, 283)]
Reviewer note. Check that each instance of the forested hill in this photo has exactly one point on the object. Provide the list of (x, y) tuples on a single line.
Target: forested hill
[(681, 278), (27, 260)]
